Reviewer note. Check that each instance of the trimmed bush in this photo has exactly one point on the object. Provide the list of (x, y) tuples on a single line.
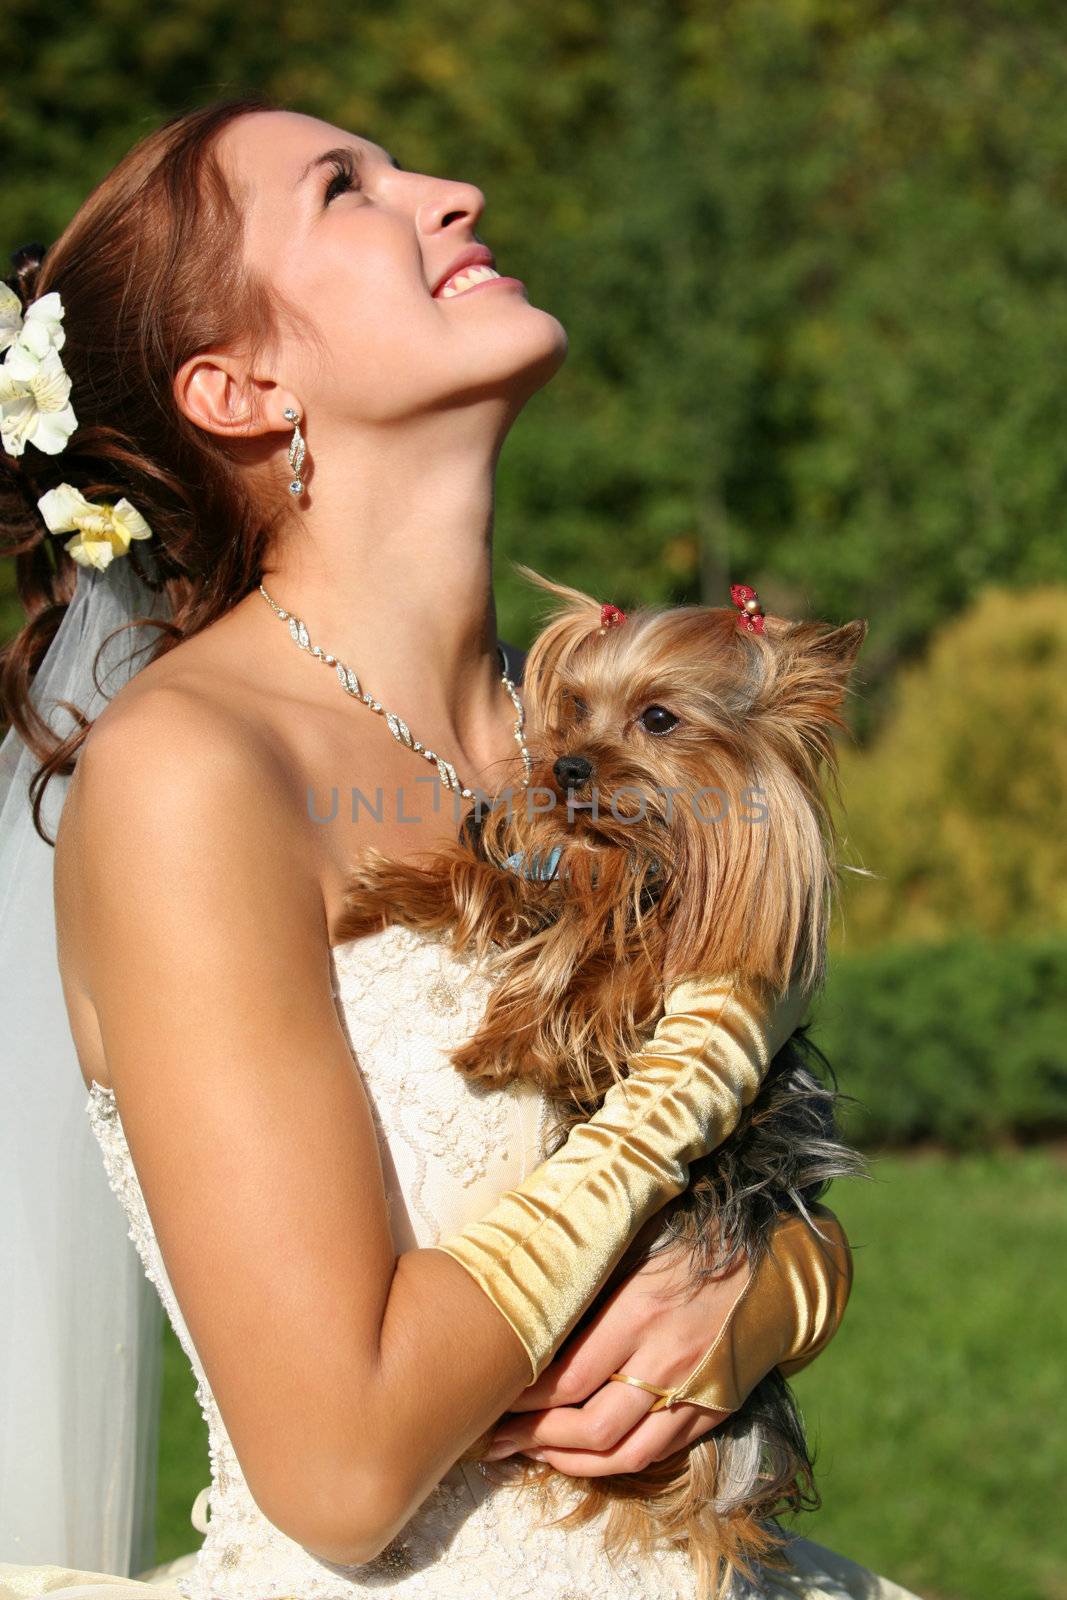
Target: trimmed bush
[(963, 1042), (958, 803)]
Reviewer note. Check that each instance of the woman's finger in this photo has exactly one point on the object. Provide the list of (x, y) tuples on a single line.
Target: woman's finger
[(604, 1419), (656, 1436), (601, 1347)]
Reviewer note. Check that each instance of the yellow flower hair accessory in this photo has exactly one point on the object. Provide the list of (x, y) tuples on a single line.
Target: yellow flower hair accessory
[(102, 532), (34, 386)]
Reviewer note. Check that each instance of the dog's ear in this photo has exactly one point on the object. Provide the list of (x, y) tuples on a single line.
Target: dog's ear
[(831, 651), (571, 625), (810, 675)]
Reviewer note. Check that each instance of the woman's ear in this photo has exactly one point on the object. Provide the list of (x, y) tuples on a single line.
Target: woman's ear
[(217, 393)]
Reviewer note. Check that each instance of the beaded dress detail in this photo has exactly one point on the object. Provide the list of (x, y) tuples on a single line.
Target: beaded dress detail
[(449, 1149)]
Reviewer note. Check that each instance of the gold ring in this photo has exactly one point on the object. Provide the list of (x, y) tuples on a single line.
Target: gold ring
[(639, 1383)]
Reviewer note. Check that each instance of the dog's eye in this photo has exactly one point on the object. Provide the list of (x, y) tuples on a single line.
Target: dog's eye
[(579, 707), (657, 719)]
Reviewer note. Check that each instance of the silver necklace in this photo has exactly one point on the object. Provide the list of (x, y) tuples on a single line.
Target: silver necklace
[(397, 726)]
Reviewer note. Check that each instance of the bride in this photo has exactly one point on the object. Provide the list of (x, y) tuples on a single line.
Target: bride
[(250, 285)]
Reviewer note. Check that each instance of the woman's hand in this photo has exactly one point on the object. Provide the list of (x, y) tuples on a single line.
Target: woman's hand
[(584, 1425), (711, 1348)]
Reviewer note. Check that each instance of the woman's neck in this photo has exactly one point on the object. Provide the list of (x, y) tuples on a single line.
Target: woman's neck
[(390, 566)]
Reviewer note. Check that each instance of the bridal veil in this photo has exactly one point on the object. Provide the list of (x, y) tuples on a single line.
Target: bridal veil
[(80, 1325)]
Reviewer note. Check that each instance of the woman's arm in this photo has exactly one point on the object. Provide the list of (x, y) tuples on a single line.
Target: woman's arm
[(540, 1252), (197, 931), (188, 915)]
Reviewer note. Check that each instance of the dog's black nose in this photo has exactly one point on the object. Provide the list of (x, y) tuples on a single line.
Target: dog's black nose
[(572, 771)]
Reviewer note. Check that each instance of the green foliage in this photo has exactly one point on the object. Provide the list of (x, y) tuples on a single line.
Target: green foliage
[(810, 256), (961, 1042), (958, 804)]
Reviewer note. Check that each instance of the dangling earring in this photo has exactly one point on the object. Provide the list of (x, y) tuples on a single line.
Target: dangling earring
[(297, 451)]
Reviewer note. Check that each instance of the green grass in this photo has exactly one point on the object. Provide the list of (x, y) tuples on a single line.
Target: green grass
[(936, 1415)]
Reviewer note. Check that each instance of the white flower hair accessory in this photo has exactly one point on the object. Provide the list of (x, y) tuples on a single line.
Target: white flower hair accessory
[(10, 316), (102, 532), (35, 408), (34, 387)]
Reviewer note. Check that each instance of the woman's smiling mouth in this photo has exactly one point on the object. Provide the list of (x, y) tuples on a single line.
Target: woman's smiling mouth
[(472, 269), (465, 278), (470, 278)]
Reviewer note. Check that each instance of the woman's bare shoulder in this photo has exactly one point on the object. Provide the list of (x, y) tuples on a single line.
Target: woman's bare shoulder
[(175, 777), (164, 723), (183, 723)]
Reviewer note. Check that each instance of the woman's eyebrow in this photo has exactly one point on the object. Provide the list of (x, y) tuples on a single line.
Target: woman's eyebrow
[(339, 153)]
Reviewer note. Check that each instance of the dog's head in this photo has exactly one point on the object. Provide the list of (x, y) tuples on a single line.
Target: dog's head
[(686, 761)]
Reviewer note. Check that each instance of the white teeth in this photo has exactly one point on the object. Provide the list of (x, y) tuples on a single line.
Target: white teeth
[(465, 279)]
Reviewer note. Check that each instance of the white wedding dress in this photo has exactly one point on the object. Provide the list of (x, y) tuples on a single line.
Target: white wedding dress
[(449, 1148)]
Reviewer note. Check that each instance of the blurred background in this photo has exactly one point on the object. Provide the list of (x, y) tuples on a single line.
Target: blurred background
[(812, 259)]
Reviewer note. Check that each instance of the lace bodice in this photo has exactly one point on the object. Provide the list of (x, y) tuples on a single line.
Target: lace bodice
[(449, 1149)]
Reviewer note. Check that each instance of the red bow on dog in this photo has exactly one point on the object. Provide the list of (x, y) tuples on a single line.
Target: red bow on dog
[(610, 617), (748, 604)]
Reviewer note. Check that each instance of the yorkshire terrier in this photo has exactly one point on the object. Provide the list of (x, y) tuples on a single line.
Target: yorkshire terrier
[(676, 823)]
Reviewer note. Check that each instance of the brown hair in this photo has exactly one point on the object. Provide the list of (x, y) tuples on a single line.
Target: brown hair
[(150, 272)]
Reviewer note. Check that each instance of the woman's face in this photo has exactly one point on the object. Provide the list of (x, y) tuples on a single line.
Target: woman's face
[(359, 246)]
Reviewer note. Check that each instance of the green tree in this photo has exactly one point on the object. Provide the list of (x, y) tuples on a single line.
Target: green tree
[(811, 257)]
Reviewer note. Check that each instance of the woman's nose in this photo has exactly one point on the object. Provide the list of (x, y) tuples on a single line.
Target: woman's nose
[(572, 771), (448, 203)]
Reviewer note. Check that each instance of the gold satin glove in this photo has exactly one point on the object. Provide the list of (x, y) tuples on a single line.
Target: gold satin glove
[(546, 1248), (787, 1312)]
